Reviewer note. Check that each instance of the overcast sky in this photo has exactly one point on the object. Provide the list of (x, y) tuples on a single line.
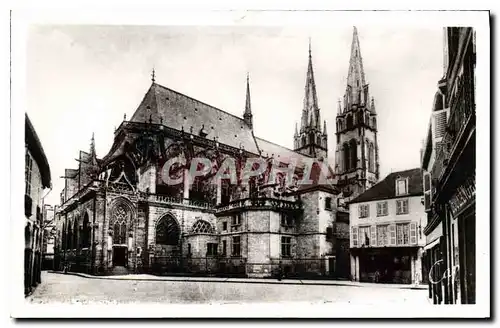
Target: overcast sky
[(83, 79)]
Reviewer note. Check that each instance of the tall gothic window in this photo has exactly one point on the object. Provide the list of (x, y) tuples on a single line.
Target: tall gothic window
[(349, 121), (346, 166), (371, 157), (167, 231), (75, 234), (353, 147), (303, 141), (70, 237), (119, 220), (86, 232)]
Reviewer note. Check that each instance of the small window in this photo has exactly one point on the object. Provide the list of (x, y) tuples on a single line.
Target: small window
[(364, 211), (189, 249), (402, 206), (286, 246), (236, 246), (224, 247), (401, 186), (211, 249), (329, 233), (224, 226), (382, 209), (328, 203), (236, 220), (286, 220)]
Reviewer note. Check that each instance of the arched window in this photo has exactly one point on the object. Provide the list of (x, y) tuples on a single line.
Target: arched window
[(318, 138), (202, 226), (63, 237), (371, 157), (303, 141), (353, 148), (346, 166), (374, 123), (367, 119), (120, 219), (86, 231), (349, 121), (311, 138), (167, 231), (70, 236), (27, 236), (75, 234)]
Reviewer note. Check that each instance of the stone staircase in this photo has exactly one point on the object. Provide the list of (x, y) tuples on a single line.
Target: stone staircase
[(119, 271)]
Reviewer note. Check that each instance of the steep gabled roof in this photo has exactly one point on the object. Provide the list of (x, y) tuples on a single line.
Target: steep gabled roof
[(178, 111), (386, 189)]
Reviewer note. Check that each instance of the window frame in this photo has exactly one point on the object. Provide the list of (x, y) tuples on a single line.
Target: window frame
[(286, 246), (386, 237), (363, 211), (212, 249), (406, 187), (233, 246), (380, 208), (400, 232), (399, 207), (236, 220), (328, 203)]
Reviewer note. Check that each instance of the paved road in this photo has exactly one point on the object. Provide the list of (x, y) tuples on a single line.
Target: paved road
[(73, 289)]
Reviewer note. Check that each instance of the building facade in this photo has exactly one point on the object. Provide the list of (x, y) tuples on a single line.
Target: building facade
[(48, 239), (386, 224), (119, 215), (449, 179), (37, 180)]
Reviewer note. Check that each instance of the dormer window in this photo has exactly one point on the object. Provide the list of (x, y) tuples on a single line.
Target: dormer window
[(401, 186)]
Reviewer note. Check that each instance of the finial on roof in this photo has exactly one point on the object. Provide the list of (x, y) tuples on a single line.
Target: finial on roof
[(309, 46), (153, 75), (324, 127), (125, 116)]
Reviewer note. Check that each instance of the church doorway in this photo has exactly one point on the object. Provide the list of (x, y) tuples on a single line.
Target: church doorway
[(119, 256)]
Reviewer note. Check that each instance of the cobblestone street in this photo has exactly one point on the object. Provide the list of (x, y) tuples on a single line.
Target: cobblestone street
[(75, 289)]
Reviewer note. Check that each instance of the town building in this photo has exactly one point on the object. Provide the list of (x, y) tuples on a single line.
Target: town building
[(386, 224), (448, 160), (118, 215), (37, 180), (48, 238)]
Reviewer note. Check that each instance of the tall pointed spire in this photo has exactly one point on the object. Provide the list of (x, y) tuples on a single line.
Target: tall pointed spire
[(339, 107), (247, 116), (310, 115), (356, 74), (153, 76), (324, 127), (296, 134)]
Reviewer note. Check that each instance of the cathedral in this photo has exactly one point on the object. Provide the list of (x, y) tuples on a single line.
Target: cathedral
[(118, 215)]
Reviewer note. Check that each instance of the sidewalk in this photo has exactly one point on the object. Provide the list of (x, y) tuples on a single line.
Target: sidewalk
[(148, 277)]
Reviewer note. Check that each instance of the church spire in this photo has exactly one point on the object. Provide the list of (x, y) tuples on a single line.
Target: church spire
[(247, 116), (356, 84), (310, 114), (92, 145)]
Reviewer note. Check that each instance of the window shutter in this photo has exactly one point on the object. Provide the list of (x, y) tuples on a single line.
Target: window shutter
[(427, 191), (378, 209), (354, 237), (373, 238), (413, 233), (367, 210), (398, 207), (392, 235), (439, 124)]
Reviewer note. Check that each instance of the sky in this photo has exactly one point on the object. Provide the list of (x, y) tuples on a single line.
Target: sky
[(84, 79)]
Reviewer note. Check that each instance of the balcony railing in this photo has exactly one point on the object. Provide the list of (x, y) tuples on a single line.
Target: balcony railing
[(261, 203), (462, 111), (179, 201)]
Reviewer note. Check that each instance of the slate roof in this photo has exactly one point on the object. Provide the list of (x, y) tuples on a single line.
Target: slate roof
[(280, 153), (179, 111), (386, 188)]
